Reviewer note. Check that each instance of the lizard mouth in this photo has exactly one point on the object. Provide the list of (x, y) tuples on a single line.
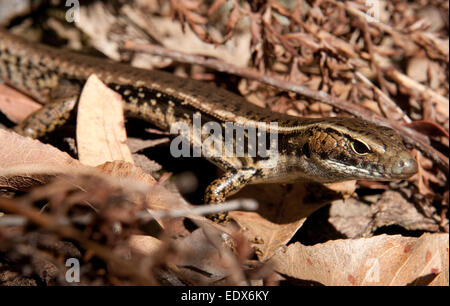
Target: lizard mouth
[(355, 173)]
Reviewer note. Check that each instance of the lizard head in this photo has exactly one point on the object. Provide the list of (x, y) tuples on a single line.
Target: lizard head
[(356, 149)]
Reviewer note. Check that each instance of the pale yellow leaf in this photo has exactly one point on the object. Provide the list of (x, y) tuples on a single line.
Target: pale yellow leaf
[(101, 134)]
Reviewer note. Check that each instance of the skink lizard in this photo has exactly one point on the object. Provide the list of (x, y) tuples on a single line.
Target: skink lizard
[(323, 150)]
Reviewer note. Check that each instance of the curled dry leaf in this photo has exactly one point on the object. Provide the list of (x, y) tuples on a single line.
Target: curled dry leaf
[(380, 260), (356, 219), (101, 134), (21, 159), (428, 128)]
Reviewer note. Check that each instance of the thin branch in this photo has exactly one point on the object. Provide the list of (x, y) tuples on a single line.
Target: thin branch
[(383, 96), (241, 204)]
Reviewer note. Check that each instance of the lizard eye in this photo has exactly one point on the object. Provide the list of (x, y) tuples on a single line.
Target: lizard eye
[(360, 147)]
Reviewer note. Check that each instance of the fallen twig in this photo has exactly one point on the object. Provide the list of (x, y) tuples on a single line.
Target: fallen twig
[(241, 204)]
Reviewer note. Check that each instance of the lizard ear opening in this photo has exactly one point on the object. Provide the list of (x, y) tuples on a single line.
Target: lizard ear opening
[(305, 150)]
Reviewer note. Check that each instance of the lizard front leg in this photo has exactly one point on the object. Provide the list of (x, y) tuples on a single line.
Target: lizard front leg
[(225, 186)]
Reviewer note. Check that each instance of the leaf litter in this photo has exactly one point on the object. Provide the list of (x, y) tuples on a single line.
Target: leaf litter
[(303, 58)]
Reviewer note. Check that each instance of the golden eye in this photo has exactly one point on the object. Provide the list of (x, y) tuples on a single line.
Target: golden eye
[(360, 147)]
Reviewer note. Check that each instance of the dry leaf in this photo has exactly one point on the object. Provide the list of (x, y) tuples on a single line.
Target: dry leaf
[(355, 218), (97, 22), (124, 169), (372, 106), (380, 260), (137, 144), (433, 16), (351, 217), (392, 208), (428, 128), (13, 9), (146, 164), (281, 213), (147, 245), (101, 134), (15, 105), (346, 187), (417, 69), (20, 156)]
